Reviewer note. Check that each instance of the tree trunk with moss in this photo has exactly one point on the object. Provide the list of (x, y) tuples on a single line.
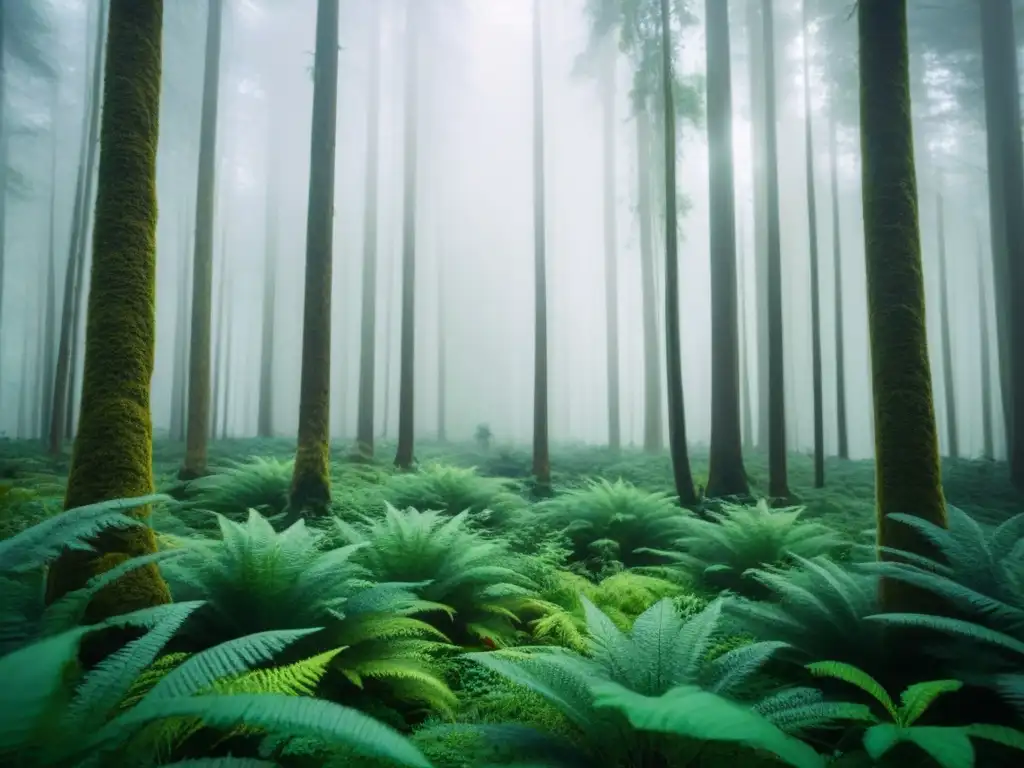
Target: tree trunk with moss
[(673, 345), (949, 389), (368, 319), (541, 449), (726, 476), (311, 481), (198, 422), (1006, 214), (113, 449), (778, 483), (985, 351), (908, 479), (405, 454)]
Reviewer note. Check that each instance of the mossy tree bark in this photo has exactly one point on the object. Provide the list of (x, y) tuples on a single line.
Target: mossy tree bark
[(653, 438), (1006, 214), (949, 389), (113, 449), (812, 234), (726, 476), (609, 69), (198, 422), (311, 489), (908, 478), (405, 453), (778, 484), (541, 450), (368, 320), (842, 435), (673, 348), (985, 350)]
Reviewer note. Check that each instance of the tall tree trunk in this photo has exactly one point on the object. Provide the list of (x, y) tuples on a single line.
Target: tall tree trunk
[(197, 429), (113, 448), (311, 489), (843, 445), (745, 375), (48, 369), (404, 456), (392, 288), (726, 476), (442, 354), (812, 234), (368, 321), (758, 154), (652, 355), (778, 484), (908, 479), (949, 391), (218, 335), (226, 363), (541, 450), (179, 384), (673, 348), (265, 418), (611, 237), (1006, 214), (985, 350)]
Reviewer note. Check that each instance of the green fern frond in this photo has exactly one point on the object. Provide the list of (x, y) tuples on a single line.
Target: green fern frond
[(854, 676), (298, 679), (916, 699)]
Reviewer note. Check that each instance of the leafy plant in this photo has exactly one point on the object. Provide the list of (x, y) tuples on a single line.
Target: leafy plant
[(255, 579), (261, 483), (613, 520), (716, 553), (477, 580), (451, 490), (948, 746)]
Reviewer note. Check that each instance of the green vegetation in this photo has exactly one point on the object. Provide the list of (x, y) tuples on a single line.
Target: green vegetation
[(443, 617)]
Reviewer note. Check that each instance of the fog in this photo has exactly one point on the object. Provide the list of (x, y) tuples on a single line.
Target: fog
[(475, 239)]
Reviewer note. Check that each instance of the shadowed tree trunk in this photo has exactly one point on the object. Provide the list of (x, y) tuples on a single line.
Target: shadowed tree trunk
[(673, 352), (311, 489), (741, 290), (726, 476), (652, 359), (198, 423), (908, 479), (404, 456), (113, 449), (778, 484), (48, 368), (985, 351), (541, 451), (758, 154), (1006, 214), (842, 439), (952, 436), (368, 321), (812, 233), (265, 417), (179, 385), (611, 237)]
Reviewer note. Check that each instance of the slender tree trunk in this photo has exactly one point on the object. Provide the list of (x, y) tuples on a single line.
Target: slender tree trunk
[(404, 456), (368, 321), (673, 351), (227, 363), (748, 411), (908, 478), (113, 447), (611, 237), (179, 385), (984, 347), (389, 311), (812, 233), (952, 435), (49, 346), (218, 335), (265, 418), (652, 359), (778, 484), (843, 446), (311, 482), (726, 476), (758, 154), (198, 422), (1006, 211), (541, 451)]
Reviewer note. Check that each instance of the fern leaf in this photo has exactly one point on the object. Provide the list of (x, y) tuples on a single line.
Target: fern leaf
[(949, 747), (1000, 734), (918, 697), (690, 712), (277, 714), (858, 677), (956, 627), (298, 679)]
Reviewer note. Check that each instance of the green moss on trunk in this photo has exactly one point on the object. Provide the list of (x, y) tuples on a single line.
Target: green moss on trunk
[(113, 449), (311, 490), (908, 476)]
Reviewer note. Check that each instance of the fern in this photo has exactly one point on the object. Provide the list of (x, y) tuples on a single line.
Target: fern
[(451, 490)]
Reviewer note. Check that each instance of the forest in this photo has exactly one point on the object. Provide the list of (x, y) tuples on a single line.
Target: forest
[(525, 383)]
